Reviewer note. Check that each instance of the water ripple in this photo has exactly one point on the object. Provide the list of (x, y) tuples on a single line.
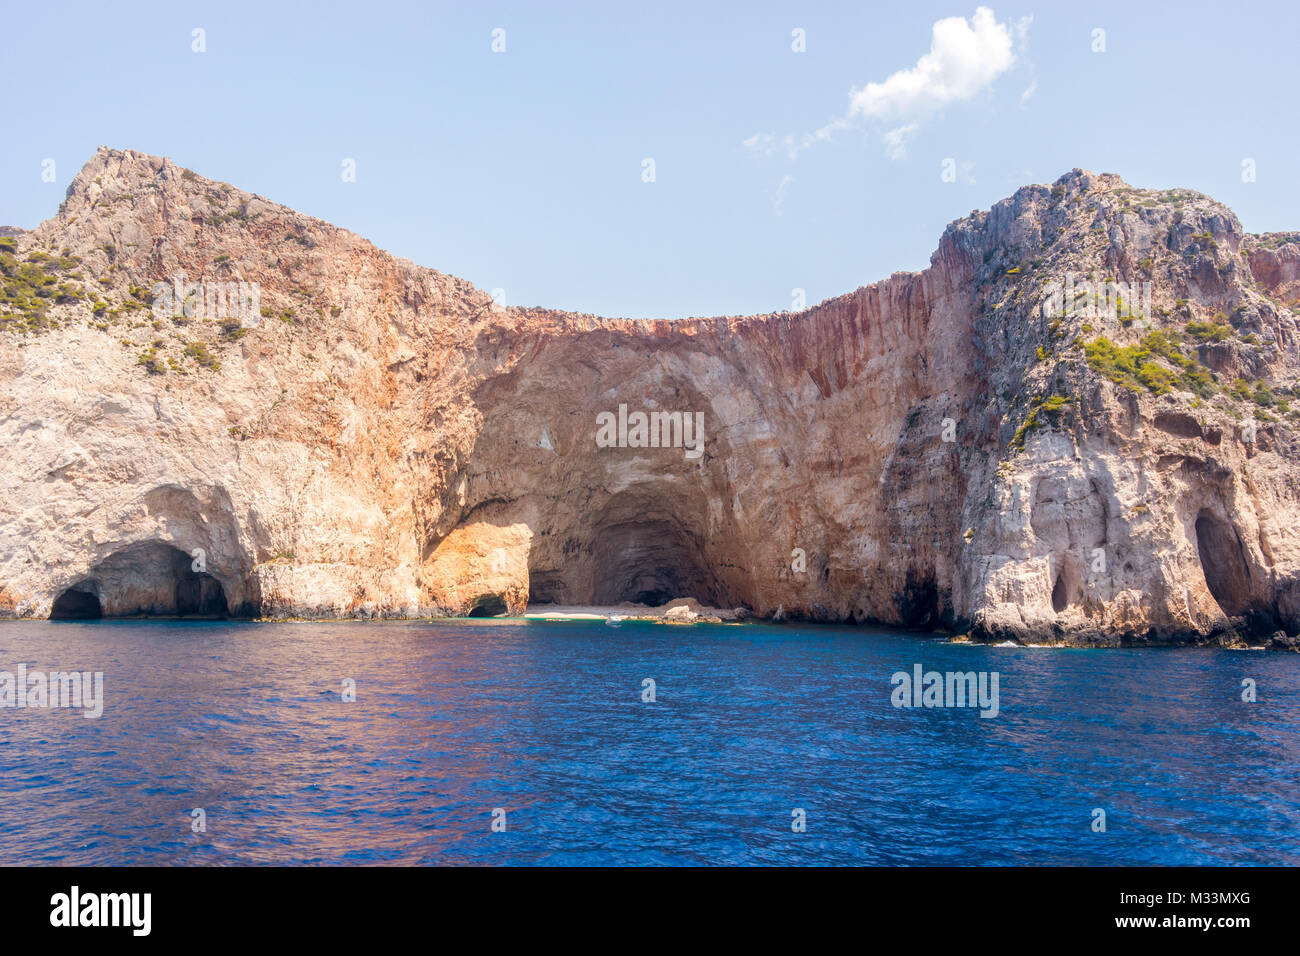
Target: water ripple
[(545, 720)]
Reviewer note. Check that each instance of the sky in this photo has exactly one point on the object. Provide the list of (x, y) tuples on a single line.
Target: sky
[(663, 159)]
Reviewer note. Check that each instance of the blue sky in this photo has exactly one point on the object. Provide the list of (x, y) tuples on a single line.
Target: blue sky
[(524, 170)]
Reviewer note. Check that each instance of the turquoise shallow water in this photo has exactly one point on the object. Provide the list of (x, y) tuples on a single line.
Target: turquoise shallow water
[(546, 722)]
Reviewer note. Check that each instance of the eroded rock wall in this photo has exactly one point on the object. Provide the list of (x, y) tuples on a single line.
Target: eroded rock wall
[(931, 450)]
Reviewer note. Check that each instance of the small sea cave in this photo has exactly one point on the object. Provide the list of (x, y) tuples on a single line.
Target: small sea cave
[(149, 579), (1224, 562), (489, 605), (77, 603), (918, 604), (200, 595), (1060, 598)]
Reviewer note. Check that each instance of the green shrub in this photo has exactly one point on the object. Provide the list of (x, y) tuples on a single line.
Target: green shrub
[(149, 359), (1134, 366), (199, 352), (1208, 331), (1157, 378), (27, 288), (1052, 404), (1030, 423), (232, 329)]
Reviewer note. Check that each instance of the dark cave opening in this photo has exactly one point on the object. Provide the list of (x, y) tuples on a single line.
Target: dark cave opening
[(490, 605), (1226, 573), (644, 545), (147, 579), (1059, 599), (653, 598), (918, 605), (76, 605), (649, 562), (200, 595)]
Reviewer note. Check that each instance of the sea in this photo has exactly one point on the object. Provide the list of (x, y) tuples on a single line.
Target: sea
[(521, 742)]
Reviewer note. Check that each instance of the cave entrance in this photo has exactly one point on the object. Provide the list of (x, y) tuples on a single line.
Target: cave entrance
[(1224, 563), (648, 560), (918, 605), (76, 604), (490, 605), (1060, 600), (647, 544), (148, 579), (200, 595)]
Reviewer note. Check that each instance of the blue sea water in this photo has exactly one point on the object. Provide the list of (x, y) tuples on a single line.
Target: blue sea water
[(545, 720)]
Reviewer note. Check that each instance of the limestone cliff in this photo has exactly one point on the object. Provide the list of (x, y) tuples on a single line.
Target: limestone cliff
[(967, 447)]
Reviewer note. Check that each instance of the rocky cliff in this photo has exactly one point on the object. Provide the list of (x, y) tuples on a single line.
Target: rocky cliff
[(1006, 443)]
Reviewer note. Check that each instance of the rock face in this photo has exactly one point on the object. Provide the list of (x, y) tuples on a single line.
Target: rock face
[(965, 447)]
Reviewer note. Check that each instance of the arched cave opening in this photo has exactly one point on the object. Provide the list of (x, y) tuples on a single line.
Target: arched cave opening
[(1224, 563), (76, 604), (490, 605), (645, 545), (649, 560), (149, 579)]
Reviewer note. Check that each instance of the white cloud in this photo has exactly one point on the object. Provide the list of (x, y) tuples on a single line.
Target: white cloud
[(778, 197), (896, 141), (1030, 90), (965, 58), (767, 144)]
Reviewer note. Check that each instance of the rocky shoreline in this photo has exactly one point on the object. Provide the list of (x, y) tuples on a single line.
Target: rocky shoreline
[(689, 612)]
